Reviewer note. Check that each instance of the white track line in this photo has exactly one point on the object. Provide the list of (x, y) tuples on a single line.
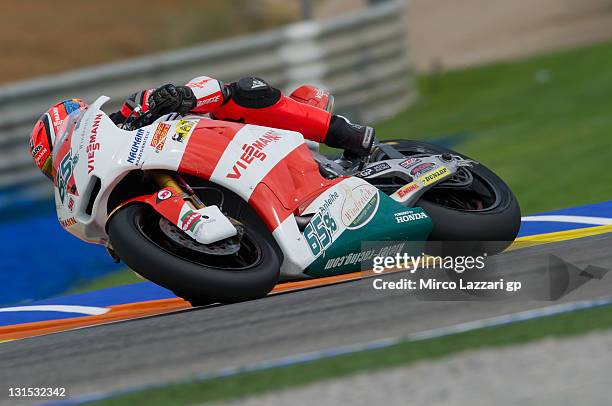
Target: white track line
[(88, 310), (600, 221)]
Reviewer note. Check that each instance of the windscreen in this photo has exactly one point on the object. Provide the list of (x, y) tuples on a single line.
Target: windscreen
[(64, 133)]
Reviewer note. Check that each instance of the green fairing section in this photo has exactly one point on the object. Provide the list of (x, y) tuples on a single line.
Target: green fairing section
[(382, 227)]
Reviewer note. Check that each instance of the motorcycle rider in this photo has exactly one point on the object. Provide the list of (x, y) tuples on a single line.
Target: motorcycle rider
[(250, 100)]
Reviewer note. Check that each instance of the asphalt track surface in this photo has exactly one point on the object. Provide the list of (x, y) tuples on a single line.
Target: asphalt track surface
[(178, 345)]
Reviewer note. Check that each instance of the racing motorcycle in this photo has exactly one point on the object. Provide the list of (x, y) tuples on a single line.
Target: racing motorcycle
[(221, 211)]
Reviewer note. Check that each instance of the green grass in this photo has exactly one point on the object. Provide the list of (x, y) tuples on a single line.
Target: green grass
[(550, 139), (252, 383)]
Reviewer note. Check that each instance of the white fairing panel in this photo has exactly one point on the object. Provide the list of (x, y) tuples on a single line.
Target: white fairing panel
[(100, 150)]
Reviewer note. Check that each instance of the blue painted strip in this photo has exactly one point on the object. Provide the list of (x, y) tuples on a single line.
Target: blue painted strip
[(529, 228), (40, 259), (603, 209), (356, 348)]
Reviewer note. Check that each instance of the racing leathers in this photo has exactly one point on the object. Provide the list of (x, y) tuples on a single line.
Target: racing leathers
[(251, 100)]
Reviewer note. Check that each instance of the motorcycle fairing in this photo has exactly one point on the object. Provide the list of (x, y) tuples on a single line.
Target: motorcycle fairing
[(351, 212), (275, 181), (101, 155)]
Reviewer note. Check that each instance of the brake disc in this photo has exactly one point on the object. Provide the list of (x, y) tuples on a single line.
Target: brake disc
[(227, 246), (462, 179)]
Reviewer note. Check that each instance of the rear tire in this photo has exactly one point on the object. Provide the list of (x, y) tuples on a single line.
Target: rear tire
[(490, 229), (133, 237)]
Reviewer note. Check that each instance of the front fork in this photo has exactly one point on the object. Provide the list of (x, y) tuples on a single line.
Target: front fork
[(174, 182), (176, 201)]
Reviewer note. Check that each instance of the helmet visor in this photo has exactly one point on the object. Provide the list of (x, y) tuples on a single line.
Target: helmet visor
[(65, 130)]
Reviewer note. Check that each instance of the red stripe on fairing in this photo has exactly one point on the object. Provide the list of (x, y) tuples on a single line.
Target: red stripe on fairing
[(206, 146), (293, 181), (290, 183)]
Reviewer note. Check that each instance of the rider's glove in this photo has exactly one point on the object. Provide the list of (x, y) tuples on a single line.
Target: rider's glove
[(172, 99), (355, 139)]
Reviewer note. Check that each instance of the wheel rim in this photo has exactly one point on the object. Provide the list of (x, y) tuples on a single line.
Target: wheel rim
[(480, 196), (248, 256)]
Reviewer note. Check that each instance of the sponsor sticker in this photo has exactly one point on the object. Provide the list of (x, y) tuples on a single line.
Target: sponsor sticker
[(190, 220), (422, 169), (359, 206), (208, 100), (38, 153), (70, 204), (253, 151), (137, 148), (407, 189), (183, 130), (410, 162), (373, 170), (69, 222), (434, 176), (159, 137), (408, 216), (93, 145), (163, 194)]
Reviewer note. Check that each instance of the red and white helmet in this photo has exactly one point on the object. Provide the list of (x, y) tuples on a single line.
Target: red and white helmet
[(48, 127)]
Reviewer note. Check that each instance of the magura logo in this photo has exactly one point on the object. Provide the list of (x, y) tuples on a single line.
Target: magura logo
[(93, 145), (163, 194), (253, 151)]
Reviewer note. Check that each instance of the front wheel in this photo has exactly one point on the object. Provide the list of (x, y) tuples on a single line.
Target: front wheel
[(137, 235)]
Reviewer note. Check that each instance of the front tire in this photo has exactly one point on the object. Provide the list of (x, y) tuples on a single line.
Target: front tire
[(249, 274)]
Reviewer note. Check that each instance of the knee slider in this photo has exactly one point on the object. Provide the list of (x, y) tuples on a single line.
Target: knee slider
[(254, 93)]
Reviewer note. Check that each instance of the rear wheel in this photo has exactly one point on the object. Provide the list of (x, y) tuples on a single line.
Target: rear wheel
[(482, 213), (201, 274)]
